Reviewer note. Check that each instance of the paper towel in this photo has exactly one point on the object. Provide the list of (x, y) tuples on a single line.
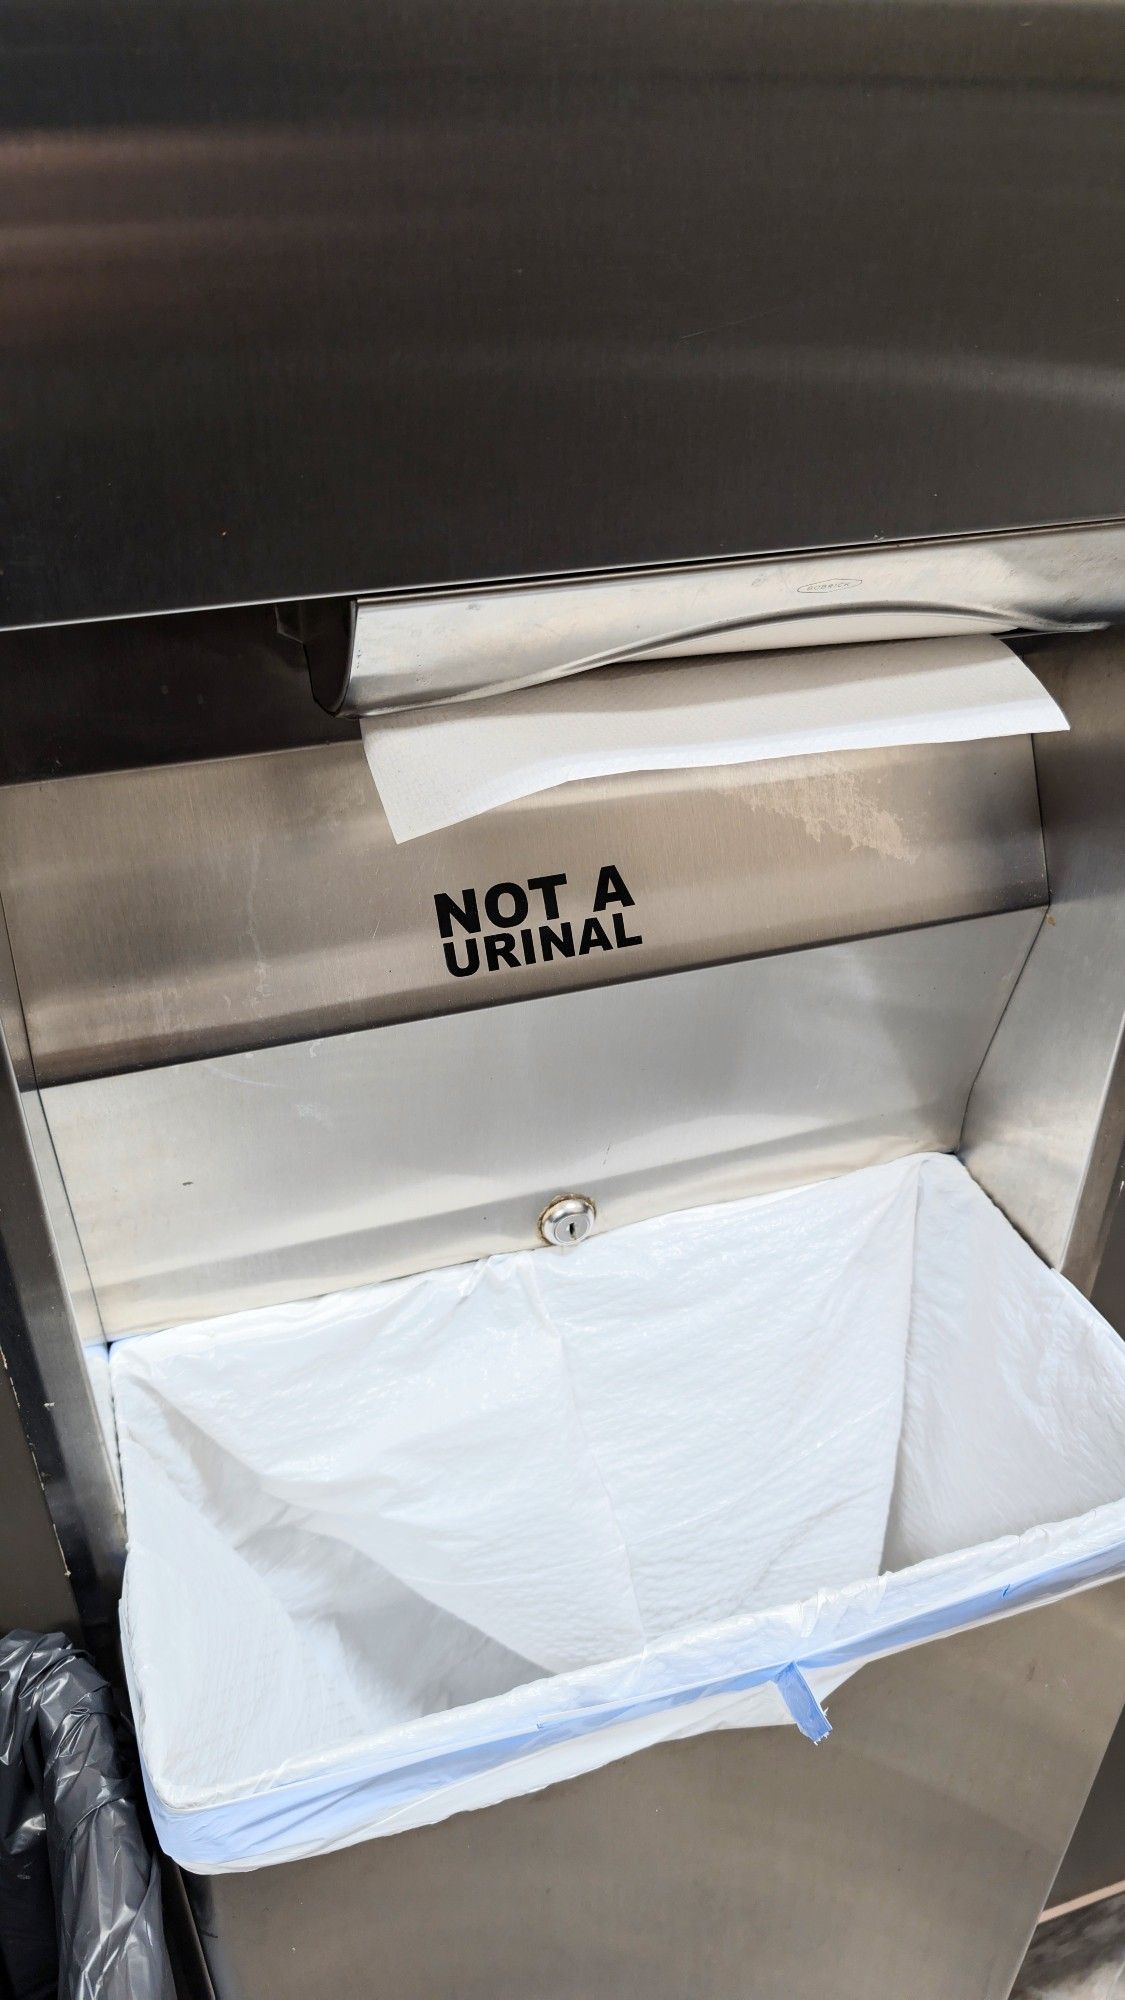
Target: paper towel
[(436, 766)]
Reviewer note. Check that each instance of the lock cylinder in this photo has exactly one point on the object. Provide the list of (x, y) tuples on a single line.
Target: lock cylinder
[(567, 1221)]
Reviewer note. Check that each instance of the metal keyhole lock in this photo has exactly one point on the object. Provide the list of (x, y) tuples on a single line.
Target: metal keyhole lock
[(567, 1221)]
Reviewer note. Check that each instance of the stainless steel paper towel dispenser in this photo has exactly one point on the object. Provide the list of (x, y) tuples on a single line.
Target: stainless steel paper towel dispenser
[(404, 648), (244, 1073), (501, 342)]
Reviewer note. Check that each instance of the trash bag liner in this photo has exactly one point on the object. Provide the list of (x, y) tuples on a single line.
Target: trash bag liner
[(80, 1912), (431, 1544)]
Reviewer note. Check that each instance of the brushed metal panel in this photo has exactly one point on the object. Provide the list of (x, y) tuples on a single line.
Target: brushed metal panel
[(283, 1172), (1094, 1863), (60, 1220), (324, 296), (443, 645), (1045, 1125), (909, 1855), (49, 1381), (168, 913), (34, 1589)]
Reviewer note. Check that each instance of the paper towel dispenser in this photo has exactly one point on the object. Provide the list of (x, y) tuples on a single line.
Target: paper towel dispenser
[(401, 649), (249, 1076)]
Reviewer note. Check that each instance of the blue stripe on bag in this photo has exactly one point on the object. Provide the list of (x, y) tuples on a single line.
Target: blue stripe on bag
[(335, 1805)]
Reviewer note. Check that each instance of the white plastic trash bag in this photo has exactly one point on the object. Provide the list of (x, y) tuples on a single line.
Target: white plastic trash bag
[(432, 1544)]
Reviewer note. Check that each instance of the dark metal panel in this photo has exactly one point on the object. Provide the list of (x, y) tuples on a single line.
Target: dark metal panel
[(44, 1372), (77, 698), (1094, 1863), (40, 1351), (34, 1591), (334, 295), (1095, 1860)]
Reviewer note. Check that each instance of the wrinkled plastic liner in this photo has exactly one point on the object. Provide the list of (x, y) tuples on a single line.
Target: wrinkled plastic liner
[(80, 1914), (427, 1545)]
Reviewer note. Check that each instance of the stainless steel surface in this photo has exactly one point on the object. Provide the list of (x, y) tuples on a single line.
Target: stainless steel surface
[(442, 645), (1108, 1291), (335, 296), (163, 914), (1045, 1125), (909, 1855), (279, 1173), (52, 1193), (568, 1220), (34, 1590), (43, 1358), (1094, 1862)]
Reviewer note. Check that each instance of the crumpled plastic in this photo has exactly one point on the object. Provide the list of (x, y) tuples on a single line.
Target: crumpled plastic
[(423, 1546), (80, 1909)]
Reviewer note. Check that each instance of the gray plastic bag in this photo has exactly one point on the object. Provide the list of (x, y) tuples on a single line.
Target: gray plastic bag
[(80, 1912)]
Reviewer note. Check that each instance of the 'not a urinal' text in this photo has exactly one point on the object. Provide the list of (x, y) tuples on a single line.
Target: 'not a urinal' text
[(521, 923)]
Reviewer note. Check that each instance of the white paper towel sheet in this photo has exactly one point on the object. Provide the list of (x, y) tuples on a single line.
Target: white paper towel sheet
[(436, 766)]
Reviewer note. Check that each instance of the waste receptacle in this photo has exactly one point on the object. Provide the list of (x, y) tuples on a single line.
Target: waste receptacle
[(80, 1910), (427, 1545)]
